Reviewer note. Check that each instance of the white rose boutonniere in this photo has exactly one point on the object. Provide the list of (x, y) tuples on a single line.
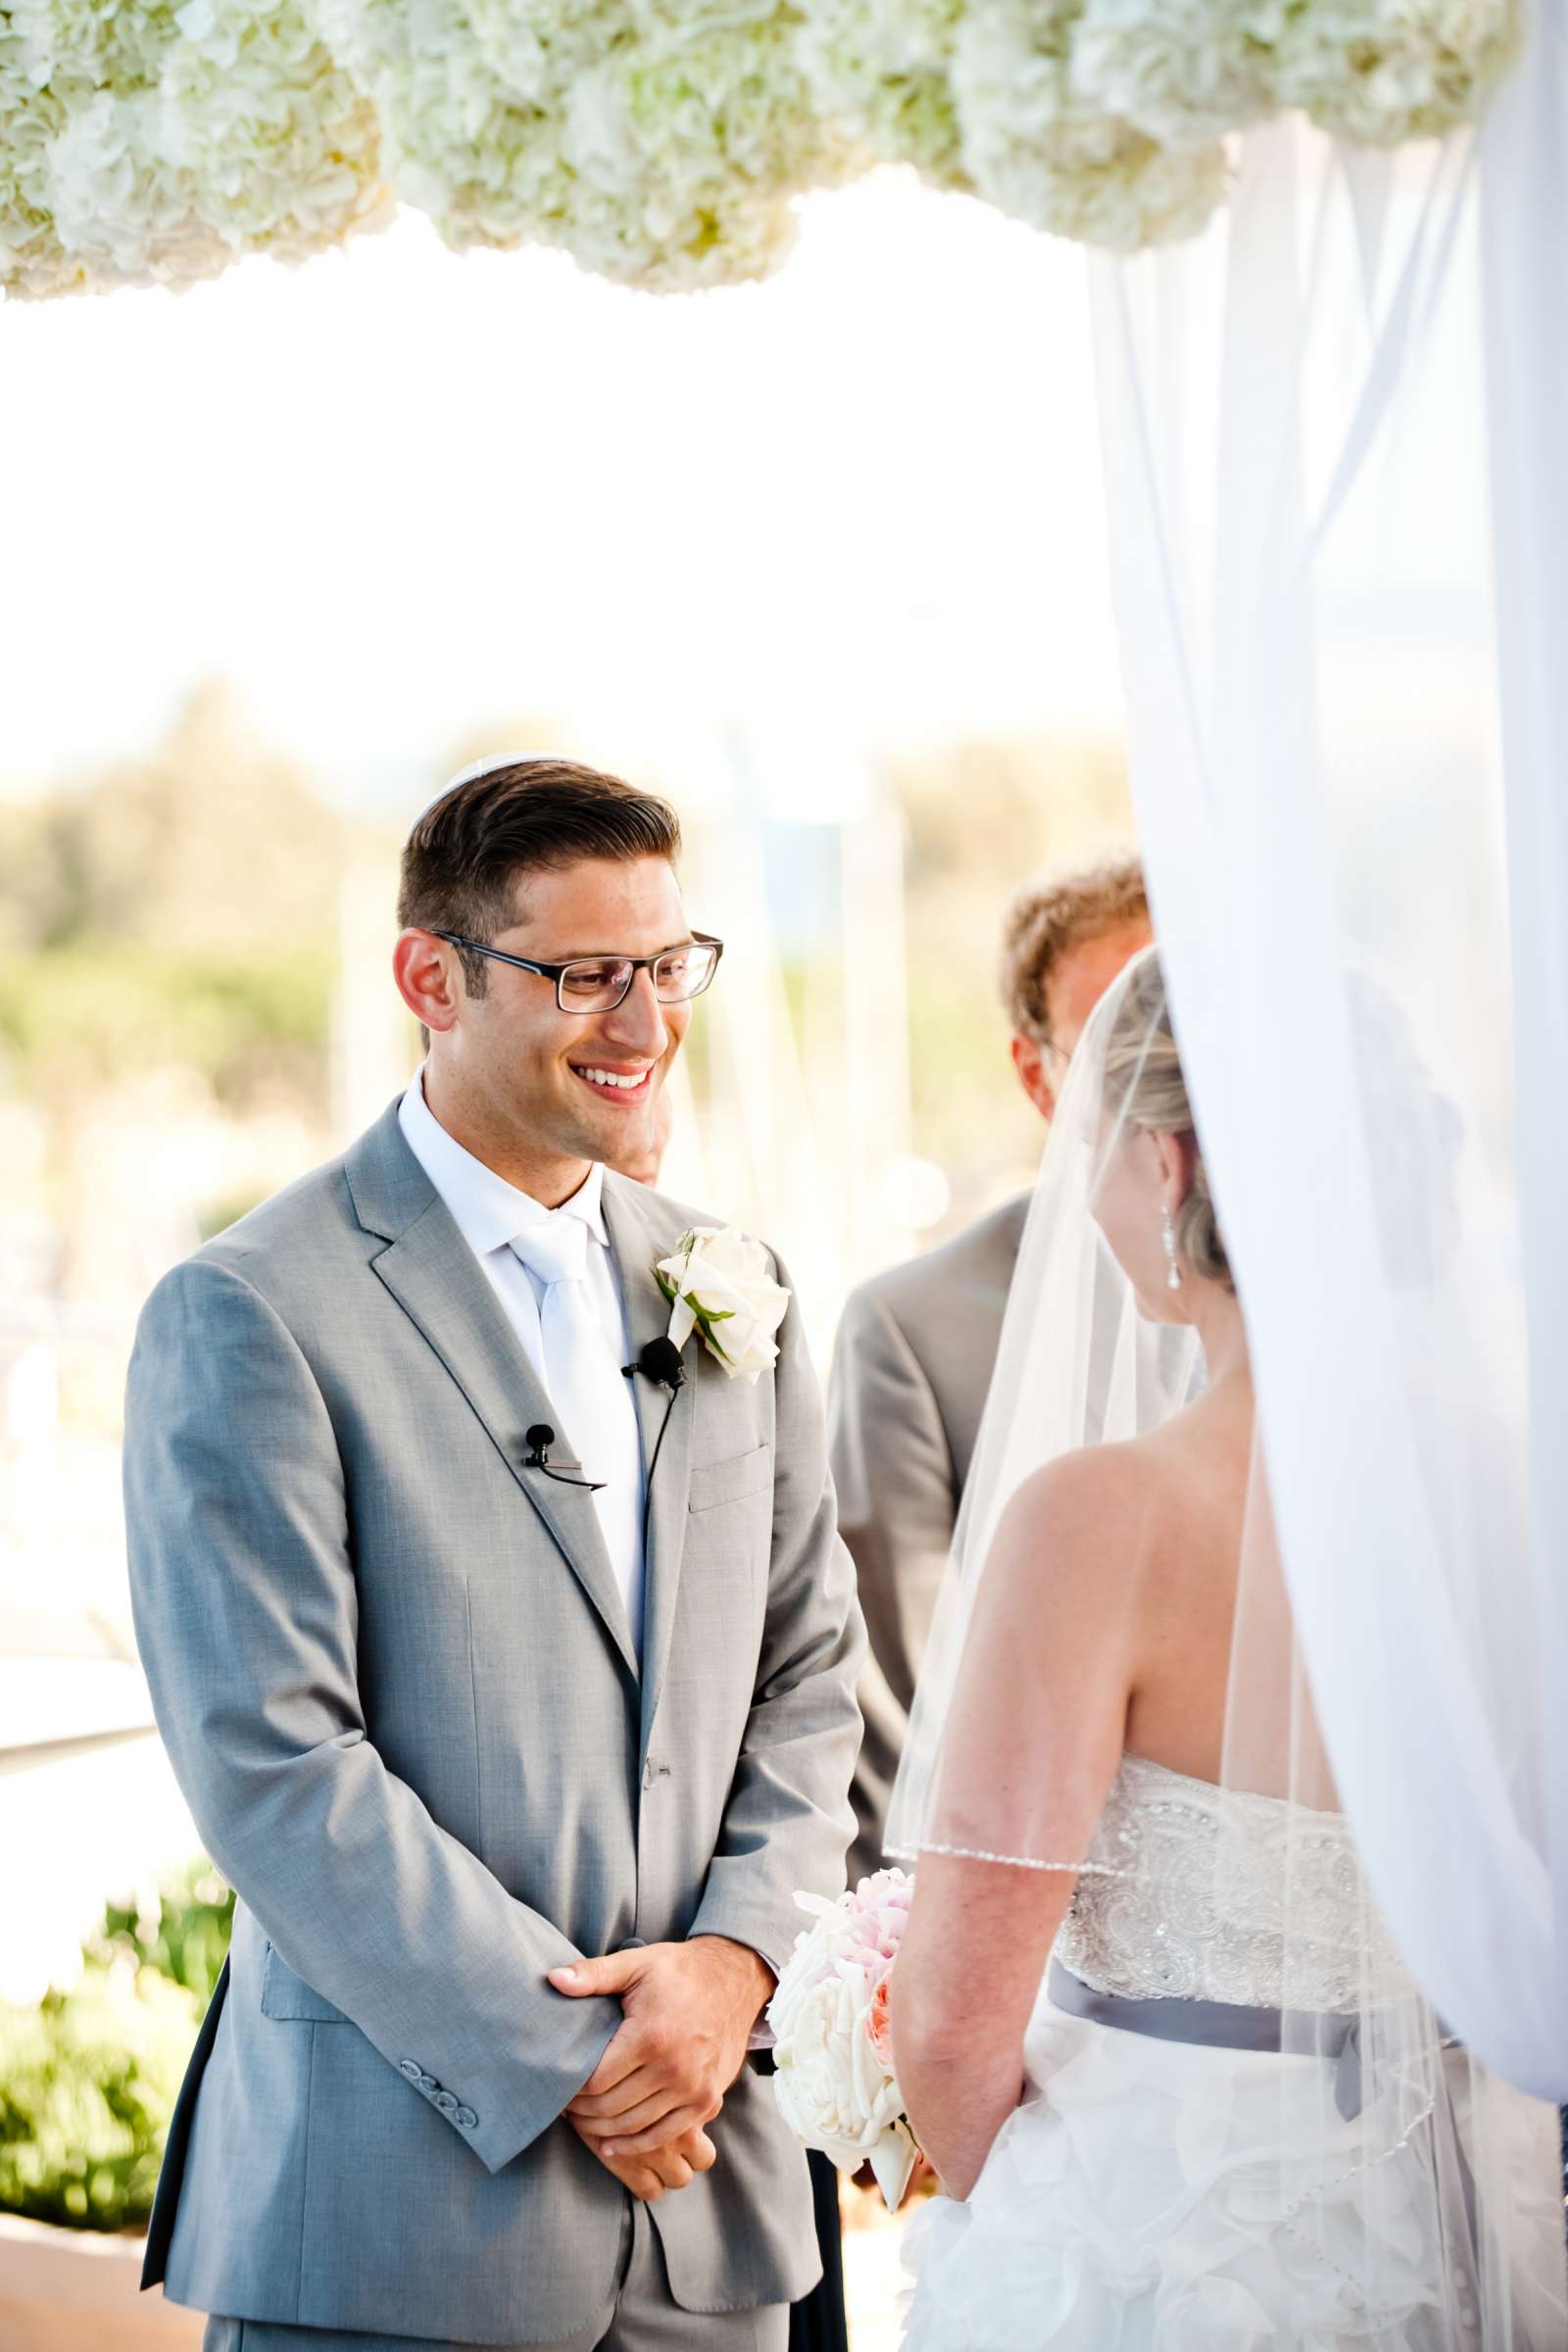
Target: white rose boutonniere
[(718, 1283)]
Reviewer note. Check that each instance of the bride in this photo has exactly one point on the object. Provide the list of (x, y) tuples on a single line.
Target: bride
[(1178, 2092)]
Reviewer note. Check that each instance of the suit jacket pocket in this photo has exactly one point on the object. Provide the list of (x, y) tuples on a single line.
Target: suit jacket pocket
[(285, 1994), (731, 1481)]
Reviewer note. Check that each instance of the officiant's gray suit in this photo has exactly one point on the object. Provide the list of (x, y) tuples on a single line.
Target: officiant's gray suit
[(917, 1347), (392, 1668)]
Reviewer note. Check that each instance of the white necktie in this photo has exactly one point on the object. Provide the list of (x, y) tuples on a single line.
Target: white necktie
[(589, 1392)]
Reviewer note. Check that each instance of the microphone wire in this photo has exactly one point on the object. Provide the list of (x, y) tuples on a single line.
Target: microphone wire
[(658, 1446)]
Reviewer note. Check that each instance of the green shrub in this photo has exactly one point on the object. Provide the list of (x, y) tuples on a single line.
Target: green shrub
[(186, 1939), (88, 2079), (88, 2085)]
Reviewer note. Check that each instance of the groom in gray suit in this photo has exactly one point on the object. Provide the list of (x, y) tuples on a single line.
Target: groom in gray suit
[(916, 1344), (512, 1686)]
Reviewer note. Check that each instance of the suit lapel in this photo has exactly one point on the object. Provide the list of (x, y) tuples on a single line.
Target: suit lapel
[(439, 1283), (637, 1248)]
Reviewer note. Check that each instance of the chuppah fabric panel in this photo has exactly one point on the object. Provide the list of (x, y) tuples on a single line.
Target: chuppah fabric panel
[(1337, 546)]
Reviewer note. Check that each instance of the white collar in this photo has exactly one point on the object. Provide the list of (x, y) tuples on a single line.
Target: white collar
[(487, 1210)]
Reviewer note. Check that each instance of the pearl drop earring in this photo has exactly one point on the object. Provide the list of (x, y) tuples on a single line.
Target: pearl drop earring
[(1173, 1280)]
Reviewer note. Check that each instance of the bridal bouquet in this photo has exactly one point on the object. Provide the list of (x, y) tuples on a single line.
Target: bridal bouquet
[(833, 2052)]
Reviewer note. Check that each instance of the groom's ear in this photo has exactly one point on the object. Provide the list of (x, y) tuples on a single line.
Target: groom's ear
[(427, 971), (1030, 1062)]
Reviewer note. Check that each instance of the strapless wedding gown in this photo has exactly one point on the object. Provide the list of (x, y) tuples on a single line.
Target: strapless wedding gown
[(1136, 2200)]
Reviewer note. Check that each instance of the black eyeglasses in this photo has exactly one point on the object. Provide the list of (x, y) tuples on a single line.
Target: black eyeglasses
[(599, 983)]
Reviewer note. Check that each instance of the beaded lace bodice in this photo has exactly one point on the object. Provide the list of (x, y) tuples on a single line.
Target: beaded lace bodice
[(1194, 1891)]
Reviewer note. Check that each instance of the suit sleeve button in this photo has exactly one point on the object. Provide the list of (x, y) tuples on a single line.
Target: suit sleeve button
[(466, 2117), (429, 2083), (407, 2066), (446, 2102)]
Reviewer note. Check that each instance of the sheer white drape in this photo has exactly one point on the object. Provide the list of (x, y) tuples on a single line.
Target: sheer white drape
[(1334, 437)]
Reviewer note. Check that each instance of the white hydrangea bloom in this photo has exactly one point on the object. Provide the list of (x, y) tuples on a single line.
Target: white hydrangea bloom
[(1034, 148), (282, 149), (148, 144), (883, 66), (658, 144), (1180, 70), (1378, 72), (31, 117)]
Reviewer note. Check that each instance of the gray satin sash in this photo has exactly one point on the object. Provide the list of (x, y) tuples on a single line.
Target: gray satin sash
[(1328, 2034)]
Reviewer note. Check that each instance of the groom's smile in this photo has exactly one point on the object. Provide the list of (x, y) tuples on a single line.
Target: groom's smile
[(625, 1087)]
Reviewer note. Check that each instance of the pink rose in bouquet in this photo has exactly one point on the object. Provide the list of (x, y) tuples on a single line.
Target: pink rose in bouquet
[(879, 2020), (833, 2051)]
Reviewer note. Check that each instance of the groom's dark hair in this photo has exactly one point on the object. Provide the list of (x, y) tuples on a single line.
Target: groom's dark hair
[(463, 858)]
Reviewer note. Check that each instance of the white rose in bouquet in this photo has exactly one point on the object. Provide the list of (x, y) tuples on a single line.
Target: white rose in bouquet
[(719, 1282), (833, 2053)]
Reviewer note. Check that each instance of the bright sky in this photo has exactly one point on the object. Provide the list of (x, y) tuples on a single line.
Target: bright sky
[(400, 493)]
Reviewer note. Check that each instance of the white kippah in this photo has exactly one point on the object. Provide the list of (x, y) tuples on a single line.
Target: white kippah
[(469, 776)]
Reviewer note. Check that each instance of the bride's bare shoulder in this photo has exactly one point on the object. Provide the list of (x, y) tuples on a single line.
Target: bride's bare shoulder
[(1139, 1525), (1088, 1507), (1065, 1574)]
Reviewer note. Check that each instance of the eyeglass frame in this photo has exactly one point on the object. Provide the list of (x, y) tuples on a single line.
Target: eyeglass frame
[(556, 971)]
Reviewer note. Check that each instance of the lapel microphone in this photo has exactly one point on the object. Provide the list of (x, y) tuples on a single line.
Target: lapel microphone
[(660, 1362), (539, 1441)]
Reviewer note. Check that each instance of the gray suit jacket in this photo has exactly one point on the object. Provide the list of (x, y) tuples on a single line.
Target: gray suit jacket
[(392, 1669), (915, 1351)]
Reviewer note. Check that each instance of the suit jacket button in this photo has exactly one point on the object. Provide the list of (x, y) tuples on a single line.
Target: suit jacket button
[(466, 2117), (429, 2083), (446, 2102), (407, 2066)]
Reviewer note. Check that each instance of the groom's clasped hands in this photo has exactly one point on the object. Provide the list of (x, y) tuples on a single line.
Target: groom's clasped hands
[(689, 2010)]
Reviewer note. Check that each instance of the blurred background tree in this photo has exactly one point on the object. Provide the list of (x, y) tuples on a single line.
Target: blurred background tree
[(179, 908), (168, 949)]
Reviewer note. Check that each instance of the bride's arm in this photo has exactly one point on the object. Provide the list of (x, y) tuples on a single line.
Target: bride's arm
[(967, 1980), (1034, 1740)]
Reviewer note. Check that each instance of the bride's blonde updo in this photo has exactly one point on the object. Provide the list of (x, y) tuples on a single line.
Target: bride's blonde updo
[(1144, 1085)]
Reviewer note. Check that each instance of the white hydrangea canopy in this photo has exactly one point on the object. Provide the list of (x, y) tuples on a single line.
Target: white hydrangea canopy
[(664, 143)]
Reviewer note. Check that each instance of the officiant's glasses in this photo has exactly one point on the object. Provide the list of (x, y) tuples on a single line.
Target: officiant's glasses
[(599, 983)]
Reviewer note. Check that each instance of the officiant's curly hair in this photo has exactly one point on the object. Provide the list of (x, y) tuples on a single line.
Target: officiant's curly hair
[(463, 858), (1062, 910)]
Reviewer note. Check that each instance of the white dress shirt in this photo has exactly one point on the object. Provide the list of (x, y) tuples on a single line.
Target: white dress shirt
[(490, 1213)]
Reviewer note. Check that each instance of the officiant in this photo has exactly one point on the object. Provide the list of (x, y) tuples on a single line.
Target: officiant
[(917, 1342)]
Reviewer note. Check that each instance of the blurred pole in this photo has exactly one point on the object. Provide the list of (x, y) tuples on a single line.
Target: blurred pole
[(775, 1171), (31, 1431), (685, 1173), (876, 1035)]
